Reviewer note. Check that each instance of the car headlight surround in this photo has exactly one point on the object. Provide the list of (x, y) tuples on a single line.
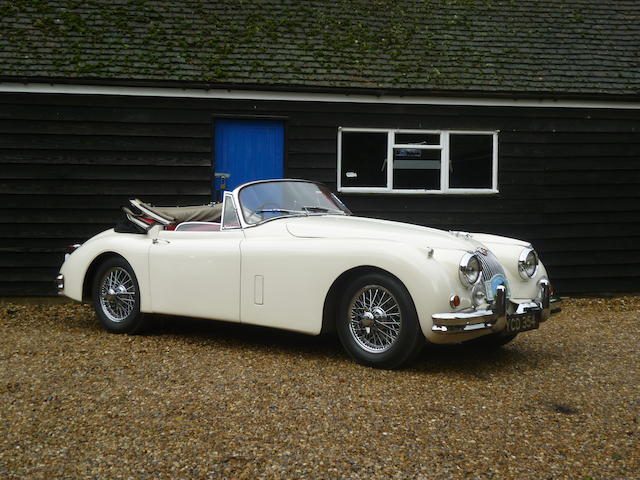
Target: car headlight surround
[(528, 263), (470, 269)]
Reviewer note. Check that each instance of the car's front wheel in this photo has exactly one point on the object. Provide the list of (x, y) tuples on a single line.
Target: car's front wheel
[(377, 322), (116, 297)]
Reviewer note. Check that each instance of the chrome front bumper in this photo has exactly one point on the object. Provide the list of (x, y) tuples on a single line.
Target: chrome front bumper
[(60, 284), (496, 318)]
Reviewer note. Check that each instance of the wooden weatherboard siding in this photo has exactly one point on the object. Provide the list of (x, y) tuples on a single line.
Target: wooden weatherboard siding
[(569, 179)]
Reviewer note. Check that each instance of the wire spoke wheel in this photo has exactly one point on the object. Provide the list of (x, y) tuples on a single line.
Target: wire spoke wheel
[(375, 318), (116, 297), (117, 294)]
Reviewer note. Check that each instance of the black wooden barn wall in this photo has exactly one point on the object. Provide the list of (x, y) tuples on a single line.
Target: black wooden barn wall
[(569, 179)]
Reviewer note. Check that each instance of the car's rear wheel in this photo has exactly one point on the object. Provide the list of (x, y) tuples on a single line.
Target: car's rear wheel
[(116, 297), (377, 322)]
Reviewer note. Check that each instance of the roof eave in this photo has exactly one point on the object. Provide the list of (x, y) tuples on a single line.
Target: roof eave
[(319, 89)]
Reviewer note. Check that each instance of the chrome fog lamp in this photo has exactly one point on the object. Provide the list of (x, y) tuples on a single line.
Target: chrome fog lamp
[(470, 269), (528, 263), (478, 295)]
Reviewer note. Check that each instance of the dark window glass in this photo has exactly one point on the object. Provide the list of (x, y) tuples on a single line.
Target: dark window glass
[(470, 161), (364, 159), (418, 138), (415, 168)]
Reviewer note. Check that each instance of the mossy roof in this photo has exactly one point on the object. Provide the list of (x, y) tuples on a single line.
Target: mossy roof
[(550, 47)]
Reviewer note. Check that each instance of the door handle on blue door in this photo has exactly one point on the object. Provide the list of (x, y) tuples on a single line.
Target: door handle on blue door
[(223, 179)]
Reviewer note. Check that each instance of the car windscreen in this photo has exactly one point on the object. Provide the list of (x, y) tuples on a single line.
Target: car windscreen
[(268, 200)]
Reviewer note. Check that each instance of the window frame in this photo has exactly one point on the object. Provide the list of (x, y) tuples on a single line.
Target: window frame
[(444, 161), (225, 222)]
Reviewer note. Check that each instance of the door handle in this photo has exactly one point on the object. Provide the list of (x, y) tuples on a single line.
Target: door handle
[(156, 241)]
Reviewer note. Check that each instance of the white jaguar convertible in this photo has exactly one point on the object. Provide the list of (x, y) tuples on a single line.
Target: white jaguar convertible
[(288, 254)]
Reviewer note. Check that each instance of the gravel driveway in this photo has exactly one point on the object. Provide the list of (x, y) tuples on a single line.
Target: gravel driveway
[(198, 400)]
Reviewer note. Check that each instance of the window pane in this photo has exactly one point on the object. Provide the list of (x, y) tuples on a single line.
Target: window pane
[(418, 138), (364, 159), (268, 200), (471, 160), (229, 215), (416, 168)]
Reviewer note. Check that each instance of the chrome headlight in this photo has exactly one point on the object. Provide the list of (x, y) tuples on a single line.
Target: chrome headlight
[(470, 269), (528, 263)]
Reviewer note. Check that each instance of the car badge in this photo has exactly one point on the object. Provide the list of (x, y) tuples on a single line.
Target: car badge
[(491, 286)]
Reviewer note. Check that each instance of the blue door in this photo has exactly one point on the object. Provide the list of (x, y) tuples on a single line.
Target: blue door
[(247, 150)]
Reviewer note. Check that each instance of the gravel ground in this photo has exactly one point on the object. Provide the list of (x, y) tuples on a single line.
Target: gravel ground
[(199, 399)]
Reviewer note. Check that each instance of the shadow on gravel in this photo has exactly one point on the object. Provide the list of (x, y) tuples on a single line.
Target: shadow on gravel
[(471, 360), (252, 336), (467, 360)]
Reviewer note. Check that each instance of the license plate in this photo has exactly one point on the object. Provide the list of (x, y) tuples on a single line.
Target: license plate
[(522, 323)]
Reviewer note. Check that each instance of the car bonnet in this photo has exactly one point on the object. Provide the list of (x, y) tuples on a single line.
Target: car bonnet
[(329, 226)]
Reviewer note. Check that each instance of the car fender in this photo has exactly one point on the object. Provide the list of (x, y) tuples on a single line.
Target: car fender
[(296, 275), (134, 248)]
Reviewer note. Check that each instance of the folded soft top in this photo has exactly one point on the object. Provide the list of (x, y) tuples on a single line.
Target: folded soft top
[(198, 213), (167, 215), (142, 216)]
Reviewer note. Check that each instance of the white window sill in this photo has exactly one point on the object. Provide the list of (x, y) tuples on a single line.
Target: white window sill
[(450, 191)]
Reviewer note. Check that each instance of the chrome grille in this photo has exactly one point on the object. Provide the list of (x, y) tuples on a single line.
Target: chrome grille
[(490, 265)]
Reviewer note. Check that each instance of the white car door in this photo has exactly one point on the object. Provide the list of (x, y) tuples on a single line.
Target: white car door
[(197, 273)]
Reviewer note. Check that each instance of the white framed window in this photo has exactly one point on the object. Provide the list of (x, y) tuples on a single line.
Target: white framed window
[(380, 160)]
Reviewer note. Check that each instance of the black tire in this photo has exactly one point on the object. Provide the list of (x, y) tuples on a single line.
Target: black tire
[(377, 322), (116, 297), (493, 341)]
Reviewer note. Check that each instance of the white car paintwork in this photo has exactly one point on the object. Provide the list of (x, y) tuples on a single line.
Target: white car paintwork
[(278, 273), (133, 248), (196, 273)]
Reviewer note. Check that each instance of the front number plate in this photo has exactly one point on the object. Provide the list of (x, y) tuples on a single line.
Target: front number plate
[(522, 323)]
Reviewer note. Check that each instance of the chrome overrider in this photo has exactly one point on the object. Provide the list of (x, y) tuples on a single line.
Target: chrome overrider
[(495, 319)]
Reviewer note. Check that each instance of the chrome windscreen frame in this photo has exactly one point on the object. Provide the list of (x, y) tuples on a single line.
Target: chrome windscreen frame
[(241, 212)]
